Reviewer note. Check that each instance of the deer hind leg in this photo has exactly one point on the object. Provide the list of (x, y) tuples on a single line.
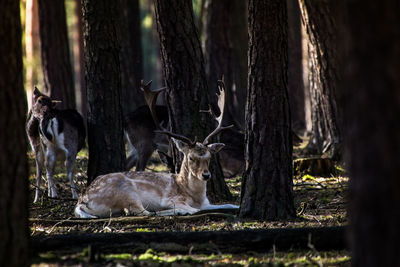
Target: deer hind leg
[(50, 163), (39, 158), (69, 166)]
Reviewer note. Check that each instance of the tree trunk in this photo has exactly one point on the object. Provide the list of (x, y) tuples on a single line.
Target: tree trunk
[(102, 72), (57, 69), (322, 19), (226, 55), (267, 188), (186, 81), (372, 111), (131, 56), (295, 67), (79, 64), (32, 47), (13, 160)]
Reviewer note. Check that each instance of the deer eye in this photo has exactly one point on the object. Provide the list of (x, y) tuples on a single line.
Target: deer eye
[(40, 101), (191, 158)]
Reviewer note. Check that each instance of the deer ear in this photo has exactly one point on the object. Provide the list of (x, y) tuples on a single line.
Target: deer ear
[(182, 146), (215, 147)]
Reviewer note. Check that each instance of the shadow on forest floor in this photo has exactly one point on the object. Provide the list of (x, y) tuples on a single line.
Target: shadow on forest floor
[(319, 201)]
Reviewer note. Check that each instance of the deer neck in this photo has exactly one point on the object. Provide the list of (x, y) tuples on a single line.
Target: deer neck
[(193, 186)]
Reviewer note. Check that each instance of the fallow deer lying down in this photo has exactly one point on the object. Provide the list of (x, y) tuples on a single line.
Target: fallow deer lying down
[(143, 140), (49, 131), (141, 193)]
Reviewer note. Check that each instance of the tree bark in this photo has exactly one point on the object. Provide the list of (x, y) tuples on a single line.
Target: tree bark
[(131, 56), (57, 69), (372, 111), (267, 188), (295, 67), (32, 47), (322, 20), (322, 238), (14, 241), (102, 72), (226, 55), (186, 82), (79, 64)]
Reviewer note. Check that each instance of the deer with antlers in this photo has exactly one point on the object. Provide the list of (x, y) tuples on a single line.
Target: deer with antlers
[(142, 139), (146, 193)]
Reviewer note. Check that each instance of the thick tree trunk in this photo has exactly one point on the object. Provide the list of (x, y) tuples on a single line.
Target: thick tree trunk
[(226, 55), (372, 83), (32, 47), (79, 64), (295, 67), (13, 160), (131, 56), (186, 81), (322, 20), (57, 69), (267, 191), (102, 71)]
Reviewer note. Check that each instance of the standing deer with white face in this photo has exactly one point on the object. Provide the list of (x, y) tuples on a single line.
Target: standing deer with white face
[(140, 193), (51, 130)]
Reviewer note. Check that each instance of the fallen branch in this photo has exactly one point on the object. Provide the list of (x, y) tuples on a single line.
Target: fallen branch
[(325, 238), (133, 219)]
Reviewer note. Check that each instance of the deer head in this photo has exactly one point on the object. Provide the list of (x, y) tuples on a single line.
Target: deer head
[(42, 103)]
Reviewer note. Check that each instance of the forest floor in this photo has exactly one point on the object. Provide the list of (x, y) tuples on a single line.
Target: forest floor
[(320, 202)]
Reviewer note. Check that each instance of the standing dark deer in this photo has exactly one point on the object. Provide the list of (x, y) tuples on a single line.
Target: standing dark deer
[(51, 130), (140, 193), (143, 140)]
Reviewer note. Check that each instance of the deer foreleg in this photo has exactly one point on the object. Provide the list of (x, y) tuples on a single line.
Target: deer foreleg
[(39, 158), (69, 165), (178, 210), (50, 163)]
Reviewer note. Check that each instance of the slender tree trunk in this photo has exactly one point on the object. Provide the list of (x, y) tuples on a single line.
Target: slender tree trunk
[(322, 19), (102, 72), (267, 189), (57, 69), (79, 64), (295, 67), (226, 55), (372, 83), (32, 47), (131, 56), (186, 81), (14, 233)]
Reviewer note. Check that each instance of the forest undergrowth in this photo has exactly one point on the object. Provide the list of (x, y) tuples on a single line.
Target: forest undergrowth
[(319, 201)]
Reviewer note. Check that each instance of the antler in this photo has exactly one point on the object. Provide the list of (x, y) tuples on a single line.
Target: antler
[(221, 105), (151, 99)]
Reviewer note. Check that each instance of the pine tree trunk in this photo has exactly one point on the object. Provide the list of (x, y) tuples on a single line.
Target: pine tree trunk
[(131, 56), (295, 67), (226, 55), (32, 47), (267, 189), (322, 19), (372, 83), (186, 81), (79, 64), (102, 71), (57, 69), (14, 233)]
